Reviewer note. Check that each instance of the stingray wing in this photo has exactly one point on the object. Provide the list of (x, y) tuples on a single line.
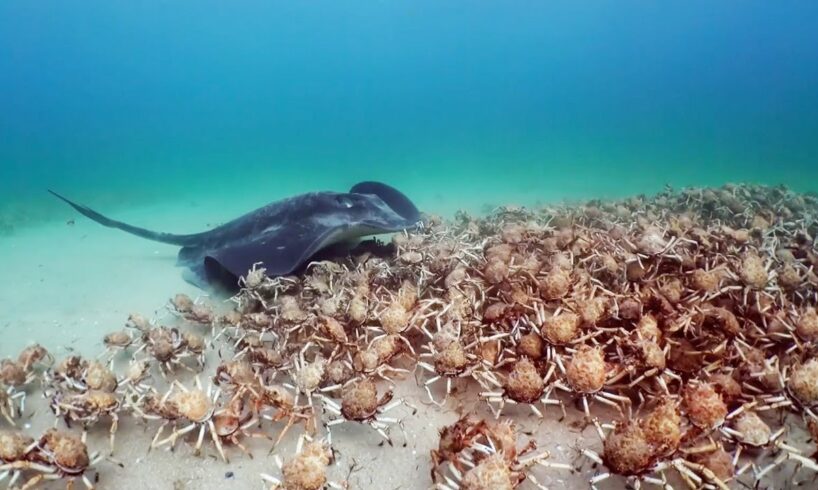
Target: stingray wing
[(280, 251), (283, 238)]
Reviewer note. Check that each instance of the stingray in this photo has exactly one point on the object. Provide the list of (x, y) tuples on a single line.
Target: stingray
[(281, 236)]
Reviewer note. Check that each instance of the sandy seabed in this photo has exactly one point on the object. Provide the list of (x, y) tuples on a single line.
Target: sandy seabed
[(65, 286), (68, 285)]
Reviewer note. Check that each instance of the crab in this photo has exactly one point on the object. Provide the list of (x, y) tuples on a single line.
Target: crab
[(524, 385), (168, 347), (360, 403), (134, 379), (87, 408), (704, 406), (181, 405), (802, 384), (339, 372), (643, 358), (264, 397), (195, 311), (14, 374), (15, 448), (749, 431), (195, 347), (453, 439), (253, 347), (233, 422), (196, 407), (307, 470), (450, 359), (59, 455), (639, 448), (492, 460), (332, 333), (181, 303), (68, 373), (138, 322), (374, 359), (308, 376), (237, 376), (586, 376), (96, 376), (116, 342), (201, 314), (151, 405), (254, 278), (35, 356)]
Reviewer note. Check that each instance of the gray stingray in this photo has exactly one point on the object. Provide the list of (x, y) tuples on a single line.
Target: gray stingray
[(283, 235)]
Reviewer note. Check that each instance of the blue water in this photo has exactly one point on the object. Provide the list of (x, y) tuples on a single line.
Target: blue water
[(121, 103)]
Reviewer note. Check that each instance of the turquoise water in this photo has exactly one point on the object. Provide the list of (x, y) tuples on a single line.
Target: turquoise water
[(177, 115), (457, 103)]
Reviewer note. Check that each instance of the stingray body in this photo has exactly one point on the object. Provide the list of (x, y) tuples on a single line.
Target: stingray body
[(281, 236)]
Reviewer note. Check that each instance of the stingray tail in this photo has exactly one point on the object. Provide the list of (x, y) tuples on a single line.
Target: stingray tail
[(181, 240)]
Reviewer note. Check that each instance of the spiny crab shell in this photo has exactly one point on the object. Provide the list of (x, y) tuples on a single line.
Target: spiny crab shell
[(334, 329), (492, 473), (753, 430), (752, 272), (255, 277), (119, 338), (662, 426), (94, 401), (807, 326), (562, 328), (627, 451), (310, 376), (308, 469), (395, 318), (99, 377), (586, 371), (182, 303), (13, 445), (503, 435), (194, 405), (451, 360), (359, 399), (339, 372), (531, 345), (137, 371), (704, 406), (237, 372), (524, 383), (12, 373), (803, 382), (68, 451), (193, 342), (34, 354)]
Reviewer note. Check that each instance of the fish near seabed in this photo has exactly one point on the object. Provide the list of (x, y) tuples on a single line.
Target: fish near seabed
[(281, 236)]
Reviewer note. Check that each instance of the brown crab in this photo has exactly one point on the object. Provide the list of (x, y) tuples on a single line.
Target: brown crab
[(307, 470), (87, 408), (360, 403), (492, 460)]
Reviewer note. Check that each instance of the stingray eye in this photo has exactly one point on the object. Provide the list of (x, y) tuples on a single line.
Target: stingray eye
[(345, 202)]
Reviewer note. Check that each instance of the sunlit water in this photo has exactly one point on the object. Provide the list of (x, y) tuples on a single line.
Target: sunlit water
[(461, 104)]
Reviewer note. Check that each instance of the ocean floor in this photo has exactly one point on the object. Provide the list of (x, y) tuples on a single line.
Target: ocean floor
[(68, 284)]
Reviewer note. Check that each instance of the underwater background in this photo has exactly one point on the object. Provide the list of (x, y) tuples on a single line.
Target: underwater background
[(177, 115), (459, 104)]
